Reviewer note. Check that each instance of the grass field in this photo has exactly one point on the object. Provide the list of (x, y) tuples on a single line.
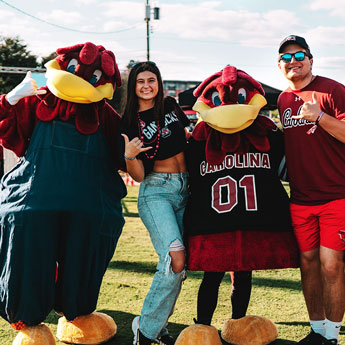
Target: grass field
[(276, 294)]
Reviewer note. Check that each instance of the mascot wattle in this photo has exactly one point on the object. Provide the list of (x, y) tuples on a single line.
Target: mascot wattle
[(237, 217), (60, 206)]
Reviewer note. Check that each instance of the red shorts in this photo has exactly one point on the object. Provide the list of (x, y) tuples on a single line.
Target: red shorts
[(319, 225)]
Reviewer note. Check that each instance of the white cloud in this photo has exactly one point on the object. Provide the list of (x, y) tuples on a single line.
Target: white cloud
[(206, 22), (6, 14), (172, 63), (192, 39), (331, 67), (330, 62), (86, 2), (334, 7), (61, 17), (124, 9), (326, 36), (19, 28), (113, 26)]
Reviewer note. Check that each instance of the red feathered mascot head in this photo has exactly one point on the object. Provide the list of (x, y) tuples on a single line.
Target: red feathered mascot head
[(228, 105), (83, 73), (79, 80), (229, 100)]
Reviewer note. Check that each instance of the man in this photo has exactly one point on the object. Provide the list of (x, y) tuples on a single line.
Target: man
[(312, 111)]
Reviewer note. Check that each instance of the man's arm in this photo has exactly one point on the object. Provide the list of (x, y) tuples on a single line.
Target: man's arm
[(333, 126), (311, 112)]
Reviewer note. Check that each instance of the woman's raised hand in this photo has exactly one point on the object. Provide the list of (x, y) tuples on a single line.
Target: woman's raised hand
[(134, 147)]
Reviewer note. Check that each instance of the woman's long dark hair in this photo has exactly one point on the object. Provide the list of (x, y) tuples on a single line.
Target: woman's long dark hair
[(132, 106)]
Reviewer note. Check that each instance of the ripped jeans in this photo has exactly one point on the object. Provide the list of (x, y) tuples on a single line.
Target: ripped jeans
[(161, 204)]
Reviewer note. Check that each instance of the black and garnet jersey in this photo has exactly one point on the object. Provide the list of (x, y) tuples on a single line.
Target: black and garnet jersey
[(244, 192)]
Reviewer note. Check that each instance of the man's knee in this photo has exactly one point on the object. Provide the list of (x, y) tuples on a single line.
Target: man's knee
[(332, 269), (332, 264), (310, 259)]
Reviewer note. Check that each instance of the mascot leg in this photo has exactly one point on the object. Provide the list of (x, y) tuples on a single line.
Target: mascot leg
[(253, 330), (208, 296), (35, 335), (240, 293), (27, 269), (85, 253), (95, 328), (199, 334)]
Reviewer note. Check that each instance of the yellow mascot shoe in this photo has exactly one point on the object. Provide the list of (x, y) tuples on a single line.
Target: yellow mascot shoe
[(249, 330), (35, 335), (200, 335), (92, 329)]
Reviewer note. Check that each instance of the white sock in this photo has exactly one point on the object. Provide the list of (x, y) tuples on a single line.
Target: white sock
[(318, 326), (332, 329)]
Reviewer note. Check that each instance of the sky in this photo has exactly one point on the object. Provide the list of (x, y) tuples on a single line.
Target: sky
[(192, 39)]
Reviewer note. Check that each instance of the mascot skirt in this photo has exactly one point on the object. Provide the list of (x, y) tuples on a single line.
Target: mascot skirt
[(242, 251)]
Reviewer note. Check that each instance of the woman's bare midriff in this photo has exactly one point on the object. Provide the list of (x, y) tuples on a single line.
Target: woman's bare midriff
[(175, 164)]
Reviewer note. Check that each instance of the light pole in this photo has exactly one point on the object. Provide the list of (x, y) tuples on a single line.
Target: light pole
[(147, 20)]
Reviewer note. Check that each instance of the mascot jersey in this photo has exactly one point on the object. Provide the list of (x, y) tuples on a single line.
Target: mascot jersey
[(237, 217), (60, 206), (243, 192)]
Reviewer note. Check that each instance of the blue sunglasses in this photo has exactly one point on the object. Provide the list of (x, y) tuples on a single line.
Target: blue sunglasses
[(299, 56)]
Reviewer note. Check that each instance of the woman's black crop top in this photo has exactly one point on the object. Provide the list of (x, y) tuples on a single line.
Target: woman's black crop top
[(172, 139)]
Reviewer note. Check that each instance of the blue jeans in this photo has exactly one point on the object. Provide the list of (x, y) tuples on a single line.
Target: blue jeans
[(161, 204)]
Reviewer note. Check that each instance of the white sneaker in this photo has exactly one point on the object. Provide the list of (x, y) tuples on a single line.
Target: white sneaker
[(135, 329)]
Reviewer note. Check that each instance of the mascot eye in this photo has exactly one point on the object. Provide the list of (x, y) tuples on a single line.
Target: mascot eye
[(72, 65), (96, 76), (216, 98), (242, 95)]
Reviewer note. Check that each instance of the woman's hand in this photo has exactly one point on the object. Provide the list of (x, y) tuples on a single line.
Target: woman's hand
[(135, 167), (134, 147)]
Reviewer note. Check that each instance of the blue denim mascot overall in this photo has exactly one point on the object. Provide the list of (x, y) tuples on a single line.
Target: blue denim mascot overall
[(60, 206)]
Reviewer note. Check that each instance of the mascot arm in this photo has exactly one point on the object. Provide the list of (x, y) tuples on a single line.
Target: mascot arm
[(17, 123), (276, 139), (170, 105), (110, 125), (28, 87)]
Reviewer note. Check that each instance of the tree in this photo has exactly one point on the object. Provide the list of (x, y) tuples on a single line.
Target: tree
[(120, 96), (14, 53), (45, 59), (131, 63)]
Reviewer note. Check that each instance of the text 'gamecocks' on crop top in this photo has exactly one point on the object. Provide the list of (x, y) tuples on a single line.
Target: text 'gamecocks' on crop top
[(172, 138)]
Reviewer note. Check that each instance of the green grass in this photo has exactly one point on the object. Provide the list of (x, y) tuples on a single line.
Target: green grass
[(276, 294)]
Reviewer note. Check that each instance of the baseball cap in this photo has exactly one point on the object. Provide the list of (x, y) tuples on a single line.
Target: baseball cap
[(293, 39)]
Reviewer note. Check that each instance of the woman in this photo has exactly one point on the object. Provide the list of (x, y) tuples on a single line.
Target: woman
[(154, 134)]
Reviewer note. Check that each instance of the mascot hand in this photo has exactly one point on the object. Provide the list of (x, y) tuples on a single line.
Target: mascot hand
[(28, 87)]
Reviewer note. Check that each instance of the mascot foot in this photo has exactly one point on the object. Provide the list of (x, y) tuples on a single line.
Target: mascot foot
[(249, 330), (35, 335), (92, 329), (199, 334)]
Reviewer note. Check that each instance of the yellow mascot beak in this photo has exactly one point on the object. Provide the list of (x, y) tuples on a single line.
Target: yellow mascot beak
[(231, 118), (72, 88)]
